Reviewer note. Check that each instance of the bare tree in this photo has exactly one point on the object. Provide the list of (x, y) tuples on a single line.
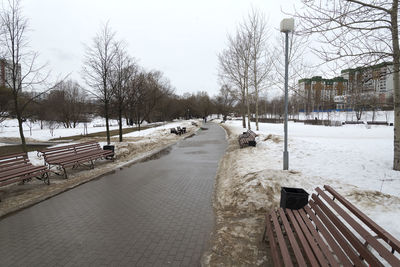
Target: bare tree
[(120, 77), (66, 104), (260, 67), (225, 100), (98, 65), (299, 67), (234, 64), (360, 31), (20, 62)]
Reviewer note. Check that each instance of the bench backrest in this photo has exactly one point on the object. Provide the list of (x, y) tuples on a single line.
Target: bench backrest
[(251, 133), (14, 166), (12, 161), (69, 150), (352, 229)]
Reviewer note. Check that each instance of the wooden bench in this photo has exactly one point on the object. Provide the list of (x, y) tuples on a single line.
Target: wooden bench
[(15, 168), (74, 155), (247, 138), (181, 130), (328, 231), (178, 130)]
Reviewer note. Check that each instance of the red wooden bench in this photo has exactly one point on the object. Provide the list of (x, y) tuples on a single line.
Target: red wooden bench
[(15, 168), (75, 155), (329, 231)]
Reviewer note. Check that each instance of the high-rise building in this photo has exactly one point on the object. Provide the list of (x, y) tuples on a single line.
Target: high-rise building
[(6, 73), (374, 81), (362, 86), (319, 93)]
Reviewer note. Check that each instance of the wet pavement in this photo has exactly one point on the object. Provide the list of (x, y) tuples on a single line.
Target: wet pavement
[(154, 213)]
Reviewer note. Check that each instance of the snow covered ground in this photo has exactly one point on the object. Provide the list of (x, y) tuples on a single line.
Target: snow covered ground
[(380, 115), (9, 128), (356, 160)]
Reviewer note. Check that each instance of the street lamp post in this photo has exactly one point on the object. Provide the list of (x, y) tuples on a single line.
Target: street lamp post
[(287, 25)]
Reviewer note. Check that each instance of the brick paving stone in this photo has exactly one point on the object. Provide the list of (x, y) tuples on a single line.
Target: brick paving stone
[(153, 213)]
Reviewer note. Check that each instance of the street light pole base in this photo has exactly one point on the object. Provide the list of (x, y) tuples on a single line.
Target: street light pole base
[(285, 160)]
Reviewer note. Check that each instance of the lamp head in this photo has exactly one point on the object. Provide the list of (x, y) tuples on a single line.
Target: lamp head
[(287, 25)]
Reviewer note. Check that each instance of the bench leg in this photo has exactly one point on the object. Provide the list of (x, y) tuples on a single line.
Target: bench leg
[(47, 178), (65, 173)]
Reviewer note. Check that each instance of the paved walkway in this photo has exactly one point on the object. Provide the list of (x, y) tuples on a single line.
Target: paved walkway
[(154, 213)]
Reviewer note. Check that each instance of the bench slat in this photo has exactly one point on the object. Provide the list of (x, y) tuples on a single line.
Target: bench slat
[(274, 249), (281, 241), (347, 248), (350, 236), (387, 237), (383, 252), (296, 249), (21, 178), (22, 154), (329, 238), (315, 237), (20, 171), (65, 159), (304, 241), (47, 150)]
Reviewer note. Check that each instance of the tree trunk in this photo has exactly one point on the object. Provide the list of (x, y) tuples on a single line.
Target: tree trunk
[(257, 108), (396, 85), (248, 108), (120, 123), (21, 133), (107, 126), (242, 107), (20, 126)]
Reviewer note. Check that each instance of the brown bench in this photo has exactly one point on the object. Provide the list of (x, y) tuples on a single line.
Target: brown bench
[(15, 168), (178, 130), (74, 155), (247, 138), (328, 231)]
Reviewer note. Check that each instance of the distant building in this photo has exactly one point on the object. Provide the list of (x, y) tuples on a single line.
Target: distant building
[(6, 73), (320, 93), (373, 83), (365, 86)]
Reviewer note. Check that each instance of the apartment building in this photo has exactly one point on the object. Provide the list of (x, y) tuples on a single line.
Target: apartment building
[(362, 85), (319, 93), (371, 82), (6, 73)]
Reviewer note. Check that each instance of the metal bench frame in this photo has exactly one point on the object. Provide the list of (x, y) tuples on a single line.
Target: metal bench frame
[(328, 233), (81, 154), (16, 168)]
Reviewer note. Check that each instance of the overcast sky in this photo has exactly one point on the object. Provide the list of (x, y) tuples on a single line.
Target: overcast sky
[(181, 38)]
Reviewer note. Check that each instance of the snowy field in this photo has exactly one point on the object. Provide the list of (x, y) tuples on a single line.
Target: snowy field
[(9, 129), (354, 159), (386, 116)]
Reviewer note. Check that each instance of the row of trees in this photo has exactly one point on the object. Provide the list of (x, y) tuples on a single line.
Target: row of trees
[(252, 65), (116, 86)]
